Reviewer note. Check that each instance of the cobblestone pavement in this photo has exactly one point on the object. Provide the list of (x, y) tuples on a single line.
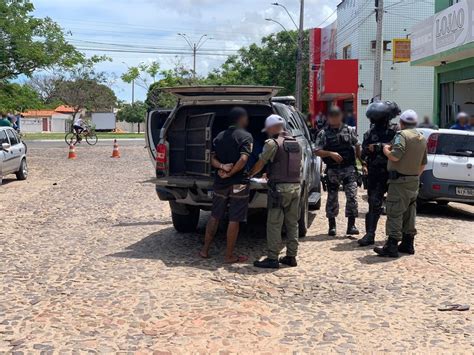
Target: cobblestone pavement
[(90, 262)]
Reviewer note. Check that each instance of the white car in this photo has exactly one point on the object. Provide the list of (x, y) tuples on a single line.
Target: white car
[(12, 154), (449, 174)]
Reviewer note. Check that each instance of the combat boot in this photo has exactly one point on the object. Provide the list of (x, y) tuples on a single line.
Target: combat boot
[(288, 260), (370, 228), (332, 227), (267, 264), (390, 249), (351, 228), (407, 245)]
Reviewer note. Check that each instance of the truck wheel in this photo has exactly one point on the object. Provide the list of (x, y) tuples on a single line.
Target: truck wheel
[(185, 218), (304, 217), (22, 174)]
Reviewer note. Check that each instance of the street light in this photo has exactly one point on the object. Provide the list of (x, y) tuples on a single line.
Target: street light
[(284, 28), (288, 12), (195, 47)]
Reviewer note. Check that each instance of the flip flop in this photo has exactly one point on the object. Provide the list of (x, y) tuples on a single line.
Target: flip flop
[(240, 259), (454, 307)]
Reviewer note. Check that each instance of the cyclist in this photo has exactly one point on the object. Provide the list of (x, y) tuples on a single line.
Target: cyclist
[(79, 126)]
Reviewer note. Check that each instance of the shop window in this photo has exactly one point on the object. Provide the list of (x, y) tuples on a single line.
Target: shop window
[(347, 52)]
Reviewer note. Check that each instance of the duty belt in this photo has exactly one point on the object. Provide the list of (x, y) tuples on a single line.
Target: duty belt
[(394, 175)]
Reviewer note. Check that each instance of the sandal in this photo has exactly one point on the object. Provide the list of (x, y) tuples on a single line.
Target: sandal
[(454, 307)]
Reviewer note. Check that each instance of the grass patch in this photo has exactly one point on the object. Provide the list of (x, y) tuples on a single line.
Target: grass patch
[(60, 136)]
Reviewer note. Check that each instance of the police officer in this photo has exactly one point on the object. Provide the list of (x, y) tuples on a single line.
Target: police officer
[(374, 161), (337, 144), (406, 161), (283, 155)]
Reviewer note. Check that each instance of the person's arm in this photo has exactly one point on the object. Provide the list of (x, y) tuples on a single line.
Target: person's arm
[(424, 161), (396, 151), (320, 152), (218, 165), (268, 153), (240, 165)]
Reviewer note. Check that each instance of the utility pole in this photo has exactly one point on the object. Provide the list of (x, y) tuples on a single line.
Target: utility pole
[(195, 47), (133, 92), (299, 60), (379, 9)]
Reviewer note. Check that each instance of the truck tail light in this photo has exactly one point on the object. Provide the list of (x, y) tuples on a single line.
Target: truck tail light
[(433, 143), (161, 156)]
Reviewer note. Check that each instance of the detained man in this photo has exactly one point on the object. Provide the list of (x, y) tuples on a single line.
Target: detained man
[(231, 151)]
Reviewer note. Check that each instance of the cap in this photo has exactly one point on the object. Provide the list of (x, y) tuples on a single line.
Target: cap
[(273, 120), (409, 116), (462, 115)]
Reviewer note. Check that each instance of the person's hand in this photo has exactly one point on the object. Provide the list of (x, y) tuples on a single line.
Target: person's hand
[(227, 167), (365, 171), (387, 149), (336, 157), (223, 174)]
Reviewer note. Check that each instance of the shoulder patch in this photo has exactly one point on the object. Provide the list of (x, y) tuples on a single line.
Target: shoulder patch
[(397, 139)]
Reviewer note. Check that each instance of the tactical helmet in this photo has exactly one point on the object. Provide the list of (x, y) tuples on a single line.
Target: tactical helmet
[(382, 111)]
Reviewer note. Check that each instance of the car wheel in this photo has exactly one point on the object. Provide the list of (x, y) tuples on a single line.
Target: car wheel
[(185, 218), (22, 174), (303, 222)]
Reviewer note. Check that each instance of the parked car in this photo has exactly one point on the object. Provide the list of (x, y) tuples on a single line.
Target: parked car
[(12, 154), (180, 142), (449, 174)]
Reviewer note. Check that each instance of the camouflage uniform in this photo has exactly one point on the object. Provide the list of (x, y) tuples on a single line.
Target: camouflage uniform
[(344, 173)]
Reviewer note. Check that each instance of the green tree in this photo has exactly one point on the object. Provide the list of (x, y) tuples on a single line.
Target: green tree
[(178, 76), (142, 75), (133, 113), (17, 97), (28, 43)]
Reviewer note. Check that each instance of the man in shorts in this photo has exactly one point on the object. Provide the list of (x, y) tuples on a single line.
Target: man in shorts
[(231, 151)]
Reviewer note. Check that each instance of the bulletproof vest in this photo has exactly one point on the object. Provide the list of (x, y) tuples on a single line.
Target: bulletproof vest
[(339, 141), (286, 165), (377, 135), (415, 150)]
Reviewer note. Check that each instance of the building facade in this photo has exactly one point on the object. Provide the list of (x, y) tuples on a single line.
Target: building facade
[(354, 39), (445, 42)]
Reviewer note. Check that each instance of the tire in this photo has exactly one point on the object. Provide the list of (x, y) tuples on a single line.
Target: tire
[(70, 138), (303, 222), (91, 139), (22, 174), (186, 223)]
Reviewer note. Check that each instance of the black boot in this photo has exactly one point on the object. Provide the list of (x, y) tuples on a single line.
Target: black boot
[(370, 229), (288, 260), (351, 228), (390, 249), (407, 245), (267, 264), (332, 227)]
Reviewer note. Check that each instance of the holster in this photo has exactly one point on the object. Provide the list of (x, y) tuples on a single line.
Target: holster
[(274, 197), (394, 175)]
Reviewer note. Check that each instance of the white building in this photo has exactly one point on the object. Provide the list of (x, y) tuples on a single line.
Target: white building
[(411, 87)]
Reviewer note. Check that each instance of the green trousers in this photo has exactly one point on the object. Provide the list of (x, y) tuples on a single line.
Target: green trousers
[(401, 207), (287, 213)]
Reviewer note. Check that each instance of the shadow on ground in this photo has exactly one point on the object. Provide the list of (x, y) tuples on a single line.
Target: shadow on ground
[(451, 211)]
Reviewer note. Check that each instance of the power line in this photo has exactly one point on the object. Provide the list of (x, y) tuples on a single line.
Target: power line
[(148, 51)]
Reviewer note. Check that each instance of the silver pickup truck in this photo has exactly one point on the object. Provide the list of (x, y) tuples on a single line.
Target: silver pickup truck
[(180, 142)]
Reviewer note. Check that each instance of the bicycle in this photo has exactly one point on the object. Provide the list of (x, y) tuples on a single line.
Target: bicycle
[(88, 134)]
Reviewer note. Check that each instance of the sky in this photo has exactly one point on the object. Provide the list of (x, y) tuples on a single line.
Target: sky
[(117, 28)]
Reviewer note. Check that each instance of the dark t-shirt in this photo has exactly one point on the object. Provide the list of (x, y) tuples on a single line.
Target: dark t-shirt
[(228, 146)]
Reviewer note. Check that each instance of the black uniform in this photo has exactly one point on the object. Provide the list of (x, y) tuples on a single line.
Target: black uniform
[(381, 132)]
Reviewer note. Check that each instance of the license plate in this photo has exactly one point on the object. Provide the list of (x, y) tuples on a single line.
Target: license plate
[(464, 191)]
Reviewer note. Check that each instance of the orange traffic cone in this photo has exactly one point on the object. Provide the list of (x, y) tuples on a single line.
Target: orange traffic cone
[(72, 152), (115, 152)]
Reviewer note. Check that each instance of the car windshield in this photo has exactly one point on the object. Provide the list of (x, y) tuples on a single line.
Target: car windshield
[(454, 144)]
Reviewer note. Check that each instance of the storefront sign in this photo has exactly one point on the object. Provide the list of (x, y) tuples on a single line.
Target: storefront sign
[(401, 50), (448, 29)]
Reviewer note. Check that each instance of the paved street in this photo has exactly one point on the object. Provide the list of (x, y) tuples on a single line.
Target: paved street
[(90, 261)]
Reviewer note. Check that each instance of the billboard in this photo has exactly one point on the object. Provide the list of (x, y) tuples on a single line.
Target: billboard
[(448, 29)]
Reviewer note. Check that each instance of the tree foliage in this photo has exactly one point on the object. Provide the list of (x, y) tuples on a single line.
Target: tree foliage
[(133, 113), (273, 63), (28, 43), (15, 97), (143, 75)]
